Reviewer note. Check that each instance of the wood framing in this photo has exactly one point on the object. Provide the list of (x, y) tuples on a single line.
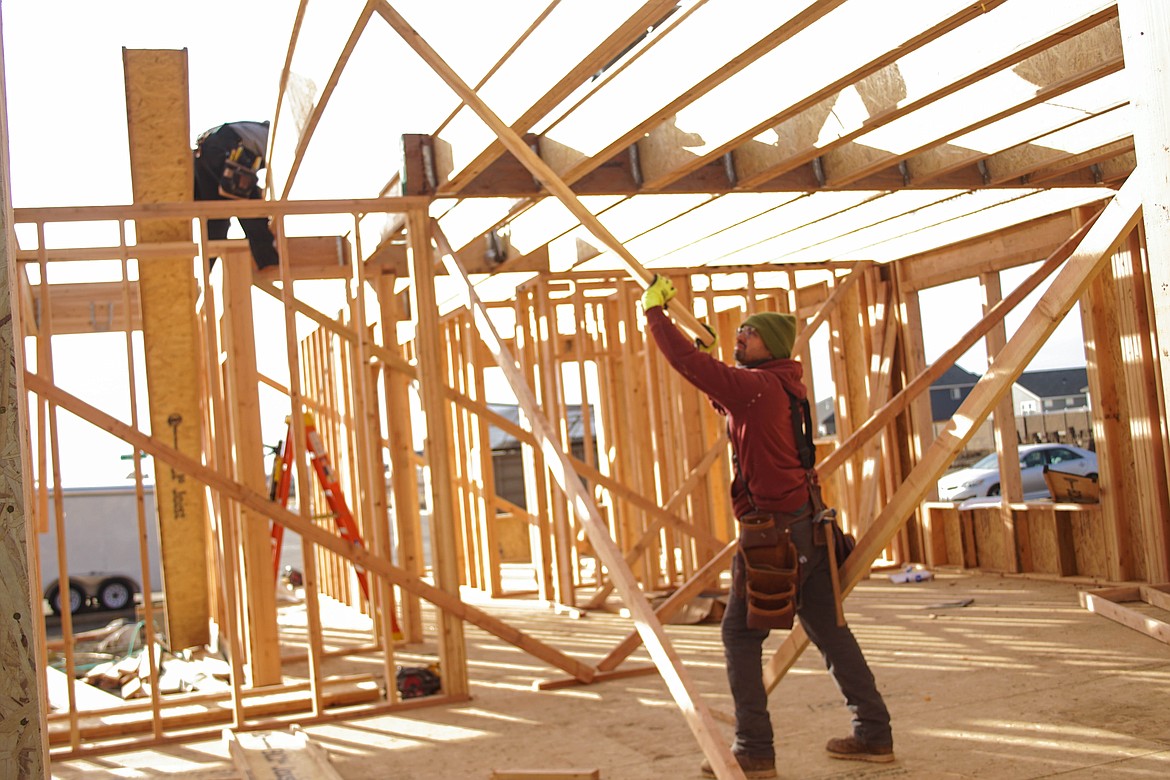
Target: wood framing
[(1109, 603), (561, 169)]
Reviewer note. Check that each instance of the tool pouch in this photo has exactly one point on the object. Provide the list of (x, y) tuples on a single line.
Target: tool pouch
[(239, 179), (771, 568)]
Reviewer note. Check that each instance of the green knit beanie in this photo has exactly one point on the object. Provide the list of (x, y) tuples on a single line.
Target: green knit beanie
[(777, 330)]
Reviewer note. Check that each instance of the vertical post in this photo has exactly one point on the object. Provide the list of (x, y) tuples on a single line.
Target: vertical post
[(403, 477), (1006, 444), (1145, 40), (452, 649), (852, 402), (22, 693), (1110, 420), (161, 168), (247, 467)]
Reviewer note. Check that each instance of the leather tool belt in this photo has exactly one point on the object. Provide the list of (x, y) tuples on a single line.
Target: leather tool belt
[(771, 567)]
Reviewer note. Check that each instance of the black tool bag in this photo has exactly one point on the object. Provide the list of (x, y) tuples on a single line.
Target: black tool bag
[(415, 681), (239, 179)]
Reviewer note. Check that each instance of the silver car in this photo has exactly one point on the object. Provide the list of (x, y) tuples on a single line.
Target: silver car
[(982, 477)]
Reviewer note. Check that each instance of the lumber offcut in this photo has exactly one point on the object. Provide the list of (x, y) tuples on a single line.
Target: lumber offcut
[(279, 755)]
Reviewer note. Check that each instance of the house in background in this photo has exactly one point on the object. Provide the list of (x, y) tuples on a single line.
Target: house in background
[(1052, 390), (1050, 405)]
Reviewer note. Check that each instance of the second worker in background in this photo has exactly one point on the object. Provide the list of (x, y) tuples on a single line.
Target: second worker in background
[(228, 160)]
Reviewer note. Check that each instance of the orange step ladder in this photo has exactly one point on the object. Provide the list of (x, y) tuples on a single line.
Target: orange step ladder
[(282, 470)]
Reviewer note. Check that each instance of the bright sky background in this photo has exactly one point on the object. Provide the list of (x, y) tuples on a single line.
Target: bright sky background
[(67, 126)]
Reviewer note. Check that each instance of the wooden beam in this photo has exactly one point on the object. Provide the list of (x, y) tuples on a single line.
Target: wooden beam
[(1007, 448), (1133, 293), (453, 650), (1025, 243), (177, 208), (261, 634), (162, 171), (91, 307), (1144, 25)]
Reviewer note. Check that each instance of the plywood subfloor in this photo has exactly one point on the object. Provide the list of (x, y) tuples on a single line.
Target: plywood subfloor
[(1021, 683)]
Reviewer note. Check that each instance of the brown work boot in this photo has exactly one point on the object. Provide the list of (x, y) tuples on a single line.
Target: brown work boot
[(853, 749), (752, 767)]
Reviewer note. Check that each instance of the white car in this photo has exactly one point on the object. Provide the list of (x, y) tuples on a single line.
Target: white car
[(982, 477)]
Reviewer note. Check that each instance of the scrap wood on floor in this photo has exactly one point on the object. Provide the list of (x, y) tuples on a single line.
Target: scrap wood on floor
[(1107, 602), (278, 755), (546, 774)]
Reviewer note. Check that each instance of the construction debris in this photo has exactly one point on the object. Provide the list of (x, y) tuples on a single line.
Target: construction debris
[(279, 755)]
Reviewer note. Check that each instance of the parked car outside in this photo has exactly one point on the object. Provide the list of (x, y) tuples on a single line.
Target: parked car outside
[(982, 477)]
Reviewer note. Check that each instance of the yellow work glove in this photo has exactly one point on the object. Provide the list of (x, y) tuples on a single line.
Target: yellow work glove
[(658, 293), (707, 348)]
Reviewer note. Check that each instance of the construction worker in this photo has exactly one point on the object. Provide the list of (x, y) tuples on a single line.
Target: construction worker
[(228, 159), (772, 490)]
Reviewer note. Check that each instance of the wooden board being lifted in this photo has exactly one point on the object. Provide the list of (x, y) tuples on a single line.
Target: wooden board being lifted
[(279, 755)]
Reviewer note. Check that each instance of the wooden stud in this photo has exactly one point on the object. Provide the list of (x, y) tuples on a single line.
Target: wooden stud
[(1141, 382), (453, 652), (1147, 55), (1006, 444), (1115, 451), (261, 635), (402, 469)]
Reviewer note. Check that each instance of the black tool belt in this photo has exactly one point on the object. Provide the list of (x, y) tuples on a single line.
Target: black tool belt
[(771, 567)]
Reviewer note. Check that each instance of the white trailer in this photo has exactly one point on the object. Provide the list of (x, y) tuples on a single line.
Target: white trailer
[(101, 548)]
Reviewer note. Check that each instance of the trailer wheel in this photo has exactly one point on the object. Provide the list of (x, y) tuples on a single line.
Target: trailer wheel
[(115, 594), (76, 598)]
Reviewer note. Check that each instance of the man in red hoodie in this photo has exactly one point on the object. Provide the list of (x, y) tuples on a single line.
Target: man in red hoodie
[(771, 482)]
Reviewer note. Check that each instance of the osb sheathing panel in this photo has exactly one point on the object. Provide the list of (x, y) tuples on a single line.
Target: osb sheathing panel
[(161, 163), (21, 715)]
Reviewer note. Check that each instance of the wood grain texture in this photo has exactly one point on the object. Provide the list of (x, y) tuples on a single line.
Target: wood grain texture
[(161, 168)]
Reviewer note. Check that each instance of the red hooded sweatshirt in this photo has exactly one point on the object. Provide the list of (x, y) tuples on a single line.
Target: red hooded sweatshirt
[(758, 417)]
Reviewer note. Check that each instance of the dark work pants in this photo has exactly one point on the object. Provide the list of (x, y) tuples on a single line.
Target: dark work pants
[(208, 169), (742, 647)]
